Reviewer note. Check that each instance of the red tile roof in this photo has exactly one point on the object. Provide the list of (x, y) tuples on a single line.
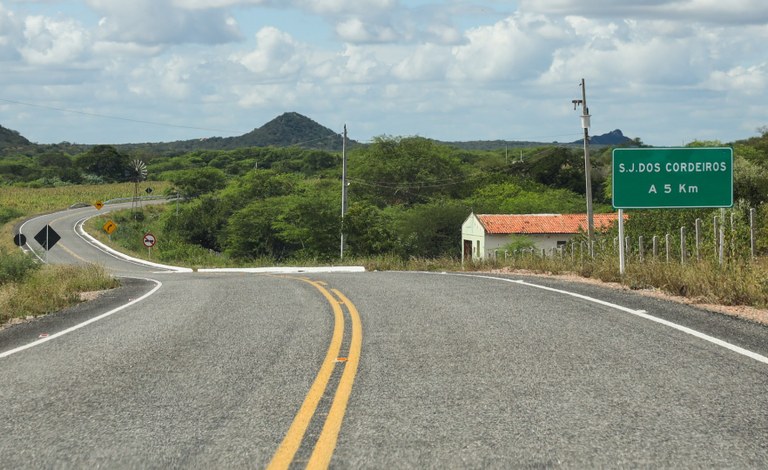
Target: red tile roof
[(543, 223)]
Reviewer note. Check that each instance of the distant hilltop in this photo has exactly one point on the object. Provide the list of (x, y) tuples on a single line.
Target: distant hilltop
[(10, 138), (613, 138), (288, 130)]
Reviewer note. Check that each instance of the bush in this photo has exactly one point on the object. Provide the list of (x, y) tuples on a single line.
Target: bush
[(16, 267)]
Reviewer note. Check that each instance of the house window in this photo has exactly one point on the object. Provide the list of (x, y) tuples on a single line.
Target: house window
[(561, 243), (477, 250)]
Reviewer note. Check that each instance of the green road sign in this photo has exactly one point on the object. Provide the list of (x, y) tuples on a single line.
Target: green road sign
[(672, 178)]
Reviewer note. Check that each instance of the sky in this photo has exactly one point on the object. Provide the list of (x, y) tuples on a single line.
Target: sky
[(118, 71)]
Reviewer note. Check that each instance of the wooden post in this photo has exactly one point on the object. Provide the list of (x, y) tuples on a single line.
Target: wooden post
[(682, 245)]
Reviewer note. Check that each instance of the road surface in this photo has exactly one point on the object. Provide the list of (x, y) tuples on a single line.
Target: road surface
[(375, 370)]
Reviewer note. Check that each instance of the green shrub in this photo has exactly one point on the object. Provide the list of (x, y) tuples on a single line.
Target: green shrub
[(16, 266)]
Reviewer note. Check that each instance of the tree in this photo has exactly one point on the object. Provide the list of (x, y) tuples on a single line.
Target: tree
[(517, 198), (249, 234), (200, 181), (368, 230), (405, 171), (104, 162), (200, 222), (432, 229)]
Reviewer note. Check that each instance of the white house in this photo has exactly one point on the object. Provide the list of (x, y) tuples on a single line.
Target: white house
[(482, 234)]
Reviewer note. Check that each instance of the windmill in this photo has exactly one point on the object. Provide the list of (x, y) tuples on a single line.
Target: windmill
[(137, 173)]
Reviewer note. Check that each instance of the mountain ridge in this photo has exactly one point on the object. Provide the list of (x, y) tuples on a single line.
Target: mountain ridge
[(293, 129)]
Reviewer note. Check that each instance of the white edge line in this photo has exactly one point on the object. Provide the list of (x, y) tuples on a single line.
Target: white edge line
[(268, 270), (639, 313), (85, 323), (288, 270), (79, 230)]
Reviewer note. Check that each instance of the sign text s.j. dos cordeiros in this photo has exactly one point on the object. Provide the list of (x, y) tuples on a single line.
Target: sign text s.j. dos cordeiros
[(648, 178)]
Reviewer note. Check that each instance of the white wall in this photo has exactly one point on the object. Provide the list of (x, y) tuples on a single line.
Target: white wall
[(541, 241), (473, 231)]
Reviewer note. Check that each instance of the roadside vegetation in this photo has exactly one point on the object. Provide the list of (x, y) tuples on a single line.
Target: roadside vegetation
[(29, 288), (408, 197)]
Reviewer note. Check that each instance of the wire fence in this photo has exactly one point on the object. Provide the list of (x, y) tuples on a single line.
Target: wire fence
[(728, 236)]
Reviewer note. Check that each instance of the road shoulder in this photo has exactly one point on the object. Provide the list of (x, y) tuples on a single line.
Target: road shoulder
[(27, 331)]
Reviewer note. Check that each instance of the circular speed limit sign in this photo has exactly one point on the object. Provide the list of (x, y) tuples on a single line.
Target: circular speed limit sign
[(149, 240)]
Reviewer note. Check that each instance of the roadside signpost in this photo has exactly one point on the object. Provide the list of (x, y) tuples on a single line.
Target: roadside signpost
[(47, 237), (98, 205), (149, 241), (109, 227), (19, 239), (656, 178)]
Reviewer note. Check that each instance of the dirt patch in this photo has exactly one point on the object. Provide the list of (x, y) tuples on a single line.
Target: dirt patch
[(741, 311), (93, 295)]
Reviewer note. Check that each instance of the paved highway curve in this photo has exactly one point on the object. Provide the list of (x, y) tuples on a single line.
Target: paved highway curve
[(219, 370)]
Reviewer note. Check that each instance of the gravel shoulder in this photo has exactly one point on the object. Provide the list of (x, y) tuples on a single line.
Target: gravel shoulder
[(738, 311)]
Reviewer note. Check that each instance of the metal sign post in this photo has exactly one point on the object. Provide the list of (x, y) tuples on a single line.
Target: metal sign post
[(149, 241)]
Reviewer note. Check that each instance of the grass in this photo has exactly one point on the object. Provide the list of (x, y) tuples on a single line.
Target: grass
[(28, 289), (50, 289), (738, 282), (27, 202)]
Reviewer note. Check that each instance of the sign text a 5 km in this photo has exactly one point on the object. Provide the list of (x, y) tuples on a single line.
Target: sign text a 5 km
[(651, 178)]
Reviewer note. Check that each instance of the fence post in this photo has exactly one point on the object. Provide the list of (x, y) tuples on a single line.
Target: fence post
[(715, 239), (698, 239), (733, 238), (752, 232), (722, 245), (655, 246), (627, 246), (682, 245), (640, 247), (666, 243)]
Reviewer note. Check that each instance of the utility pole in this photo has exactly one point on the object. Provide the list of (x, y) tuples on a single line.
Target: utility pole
[(343, 188), (585, 117)]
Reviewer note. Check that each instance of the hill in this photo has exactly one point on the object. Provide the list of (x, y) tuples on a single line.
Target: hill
[(613, 138), (11, 138), (610, 139), (287, 130)]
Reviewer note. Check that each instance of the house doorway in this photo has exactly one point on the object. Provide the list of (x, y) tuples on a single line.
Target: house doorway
[(467, 250)]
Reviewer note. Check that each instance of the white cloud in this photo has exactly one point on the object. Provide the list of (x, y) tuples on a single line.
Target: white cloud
[(428, 62), (347, 7), (750, 81), (358, 65), (711, 11), (437, 69), (277, 54), (163, 22), (509, 49), (10, 32), (355, 30), (49, 41)]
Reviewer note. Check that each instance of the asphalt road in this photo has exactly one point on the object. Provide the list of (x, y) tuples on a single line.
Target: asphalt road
[(212, 370)]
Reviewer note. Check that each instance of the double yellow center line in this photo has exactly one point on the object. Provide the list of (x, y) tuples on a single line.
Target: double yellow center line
[(326, 443)]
